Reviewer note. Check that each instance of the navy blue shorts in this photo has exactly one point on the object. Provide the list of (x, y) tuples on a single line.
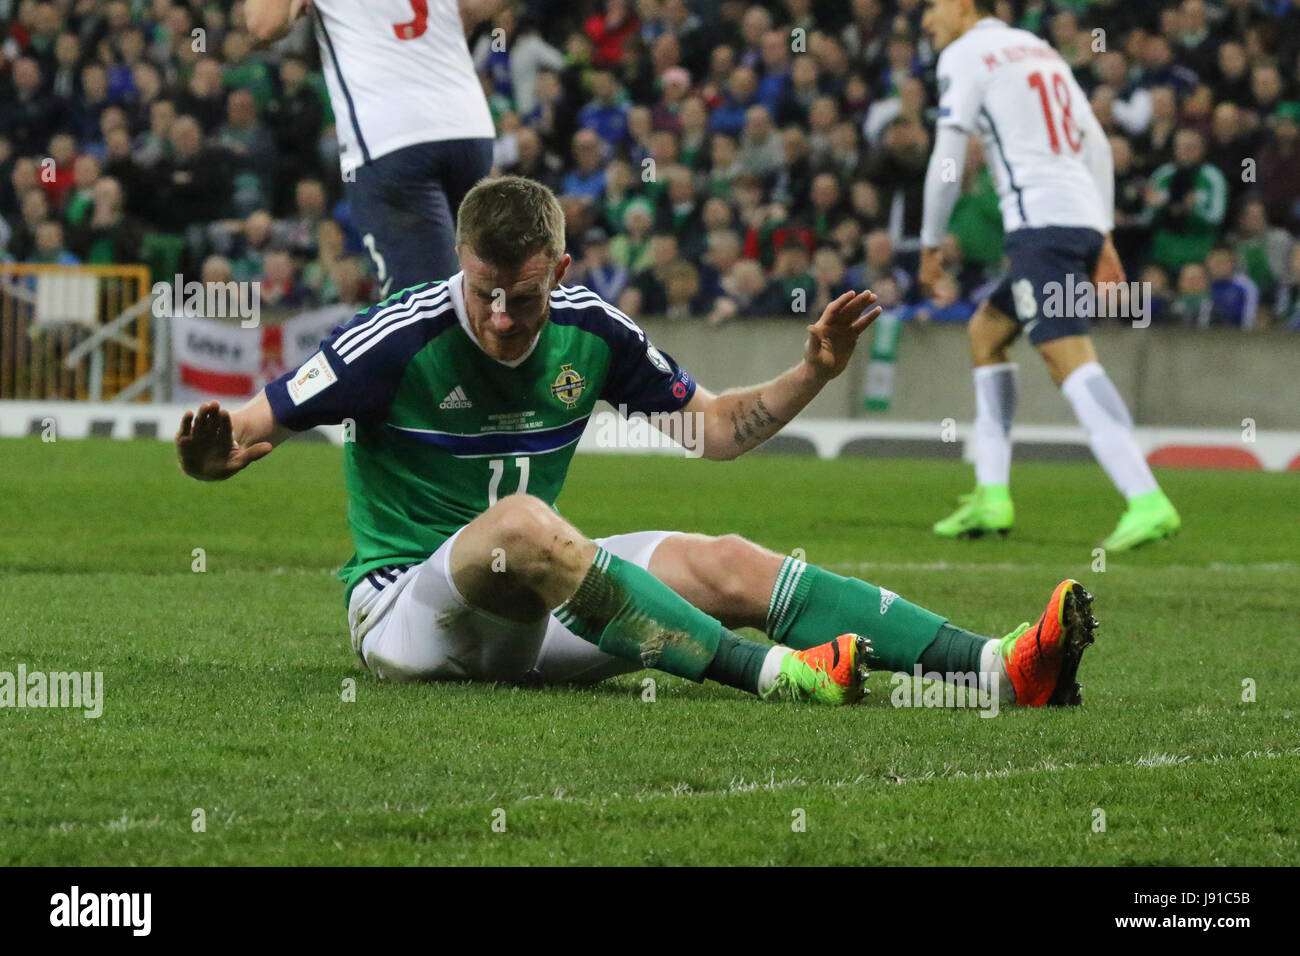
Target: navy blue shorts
[(404, 207), (1048, 264)]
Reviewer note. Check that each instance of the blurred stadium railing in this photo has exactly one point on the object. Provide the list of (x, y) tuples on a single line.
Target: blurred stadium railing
[(74, 332)]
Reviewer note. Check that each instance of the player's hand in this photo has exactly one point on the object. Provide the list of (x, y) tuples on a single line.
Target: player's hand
[(1109, 268), (206, 448), (832, 338), (931, 270)]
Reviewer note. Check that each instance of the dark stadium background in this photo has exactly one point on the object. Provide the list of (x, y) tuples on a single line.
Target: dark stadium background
[(771, 170)]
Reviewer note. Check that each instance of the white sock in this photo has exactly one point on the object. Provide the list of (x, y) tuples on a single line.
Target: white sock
[(995, 407), (771, 667), (993, 673), (1100, 409)]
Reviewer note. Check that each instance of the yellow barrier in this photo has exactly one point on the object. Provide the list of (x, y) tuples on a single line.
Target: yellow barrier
[(47, 310)]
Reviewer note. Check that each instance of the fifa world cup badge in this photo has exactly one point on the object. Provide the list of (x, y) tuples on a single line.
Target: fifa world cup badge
[(568, 386)]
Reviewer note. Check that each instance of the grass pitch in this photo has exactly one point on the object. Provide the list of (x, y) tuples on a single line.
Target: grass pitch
[(224, 688)]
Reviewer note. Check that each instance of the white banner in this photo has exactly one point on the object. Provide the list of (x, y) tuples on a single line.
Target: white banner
[(302, 335), (214, 360)]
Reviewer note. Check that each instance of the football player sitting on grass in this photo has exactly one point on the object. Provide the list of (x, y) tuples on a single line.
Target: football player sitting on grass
[(466, 399)]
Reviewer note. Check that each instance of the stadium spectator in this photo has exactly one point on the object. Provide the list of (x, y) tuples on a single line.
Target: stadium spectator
[(1186, 203), (1234, 294), (729, 116), (747, 293), (1263, 251), (203, 97), (278, 286), (830, 278), (761, 151), (631, 248), (29, 116), (512, 55), (1278, 163), (106, 235), (880, 262), (609, 32), (648, 291), (294, 118), (49, 247), (595, 270), (945, 304), (252, 149), (587, 178), (254, 239), (191, 186), (1192, 305)]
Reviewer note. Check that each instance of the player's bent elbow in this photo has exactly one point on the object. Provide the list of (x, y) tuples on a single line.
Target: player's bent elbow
[(262, 22), (720, 445)]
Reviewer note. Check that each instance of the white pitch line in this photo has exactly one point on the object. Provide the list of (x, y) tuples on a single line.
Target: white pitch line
[(1272, 566)]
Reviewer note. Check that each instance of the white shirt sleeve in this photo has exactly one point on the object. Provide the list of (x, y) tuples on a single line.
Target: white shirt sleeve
[(961, 92), (942, 184)]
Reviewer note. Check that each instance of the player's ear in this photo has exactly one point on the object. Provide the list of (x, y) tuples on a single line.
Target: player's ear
[(561, 267)]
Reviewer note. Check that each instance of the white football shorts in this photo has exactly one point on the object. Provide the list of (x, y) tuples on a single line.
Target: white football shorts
[(412, 624)]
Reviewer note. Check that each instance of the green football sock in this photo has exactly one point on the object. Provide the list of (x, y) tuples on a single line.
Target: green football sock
[(953, 651), (627, 612), (811, 606)]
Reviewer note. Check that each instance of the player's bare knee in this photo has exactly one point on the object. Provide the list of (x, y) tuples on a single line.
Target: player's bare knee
[(534, 541), (730, 565)]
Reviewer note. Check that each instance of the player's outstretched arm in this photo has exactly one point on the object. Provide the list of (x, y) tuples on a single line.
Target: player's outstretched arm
[(744, 418), (213, 444)]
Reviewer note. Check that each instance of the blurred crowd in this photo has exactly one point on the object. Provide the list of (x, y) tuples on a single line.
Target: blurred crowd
[(716, 159)]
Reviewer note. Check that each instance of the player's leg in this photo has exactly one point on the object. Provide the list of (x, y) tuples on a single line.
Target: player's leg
[(746, 585), (462, 163), (414, 625), (1071, 360), (405, 216), (566, 658), (520, 559), (988, 508)]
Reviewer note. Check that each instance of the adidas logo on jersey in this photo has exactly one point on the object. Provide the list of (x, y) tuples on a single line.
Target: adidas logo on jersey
[(456, 398), (887, 597)]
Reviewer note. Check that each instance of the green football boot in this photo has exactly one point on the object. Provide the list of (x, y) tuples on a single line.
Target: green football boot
[(1149, 517), (831, 673), (986, 509)]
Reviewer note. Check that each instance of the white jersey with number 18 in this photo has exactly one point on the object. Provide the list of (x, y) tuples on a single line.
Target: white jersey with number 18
[(399, 72), (1016, 93)]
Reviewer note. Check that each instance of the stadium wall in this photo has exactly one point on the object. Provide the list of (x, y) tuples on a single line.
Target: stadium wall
[(1200, 398), (1180, 378)]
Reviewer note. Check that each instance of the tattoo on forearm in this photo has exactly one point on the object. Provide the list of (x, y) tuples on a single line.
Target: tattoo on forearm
[(754, 423)]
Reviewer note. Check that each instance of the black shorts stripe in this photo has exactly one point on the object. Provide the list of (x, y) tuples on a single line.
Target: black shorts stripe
[(1011, 179), (347, 94), (380, 578)]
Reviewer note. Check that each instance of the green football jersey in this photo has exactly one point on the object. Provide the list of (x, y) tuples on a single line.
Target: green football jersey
[(438, 430)]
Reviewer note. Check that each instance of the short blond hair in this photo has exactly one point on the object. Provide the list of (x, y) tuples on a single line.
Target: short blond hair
[(508, 219)]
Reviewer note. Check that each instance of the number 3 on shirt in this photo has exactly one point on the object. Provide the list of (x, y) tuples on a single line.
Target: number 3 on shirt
[(1061, 92), (498, 466), (415, 29)]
